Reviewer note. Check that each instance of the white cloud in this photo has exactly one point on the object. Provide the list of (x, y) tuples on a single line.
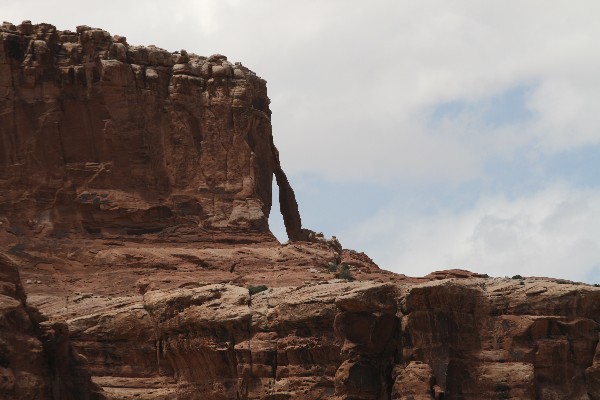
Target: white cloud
[(554, 232), (364, 88)]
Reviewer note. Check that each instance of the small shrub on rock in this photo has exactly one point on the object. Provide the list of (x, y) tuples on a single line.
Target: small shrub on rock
[(345, 273), (517, 277), (331, 267), (502, 390), (256, 289)]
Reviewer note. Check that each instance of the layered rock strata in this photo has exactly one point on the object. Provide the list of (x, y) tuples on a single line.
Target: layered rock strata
[(328, 338), (135, 187), (102, 137), (37, 360)]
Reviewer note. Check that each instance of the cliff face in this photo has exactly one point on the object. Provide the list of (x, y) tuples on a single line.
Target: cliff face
[(21, 353), (135, 186), (379, 337), (102, 137), (37, 360), (505, 338)]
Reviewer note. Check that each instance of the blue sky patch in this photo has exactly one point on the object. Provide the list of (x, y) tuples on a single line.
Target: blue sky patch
[(330, 206), (506, 108), (579, 166)]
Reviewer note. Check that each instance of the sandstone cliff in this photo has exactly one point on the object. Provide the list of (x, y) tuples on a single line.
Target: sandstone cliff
[(102, 137), (135, 187), (37, 360)]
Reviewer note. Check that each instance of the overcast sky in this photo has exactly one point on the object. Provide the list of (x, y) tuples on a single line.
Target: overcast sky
[(429, 134)]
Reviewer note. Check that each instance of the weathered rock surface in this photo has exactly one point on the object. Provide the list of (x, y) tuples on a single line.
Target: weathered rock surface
[(135, 187), (37, 360), (101, 137), (492, 338), (468, 338)]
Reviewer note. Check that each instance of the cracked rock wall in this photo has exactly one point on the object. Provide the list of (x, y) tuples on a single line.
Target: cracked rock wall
[(101, 137)]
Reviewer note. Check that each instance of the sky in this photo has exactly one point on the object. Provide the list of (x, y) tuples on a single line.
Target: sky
[(428, 134)]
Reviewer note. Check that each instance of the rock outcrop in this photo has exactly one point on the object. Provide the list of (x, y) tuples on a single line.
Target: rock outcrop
[(37, 360), (209, 335), (135, 190), (505, 338), (101, 137)]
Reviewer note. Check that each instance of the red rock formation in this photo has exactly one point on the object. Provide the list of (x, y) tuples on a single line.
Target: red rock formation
[(454, 338), (135, 187), (107, 138), (367, 328), (36, 362), (498, 338), (21, 352)]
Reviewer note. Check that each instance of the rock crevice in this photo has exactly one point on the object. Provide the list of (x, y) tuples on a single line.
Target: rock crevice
[(37, 359)]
